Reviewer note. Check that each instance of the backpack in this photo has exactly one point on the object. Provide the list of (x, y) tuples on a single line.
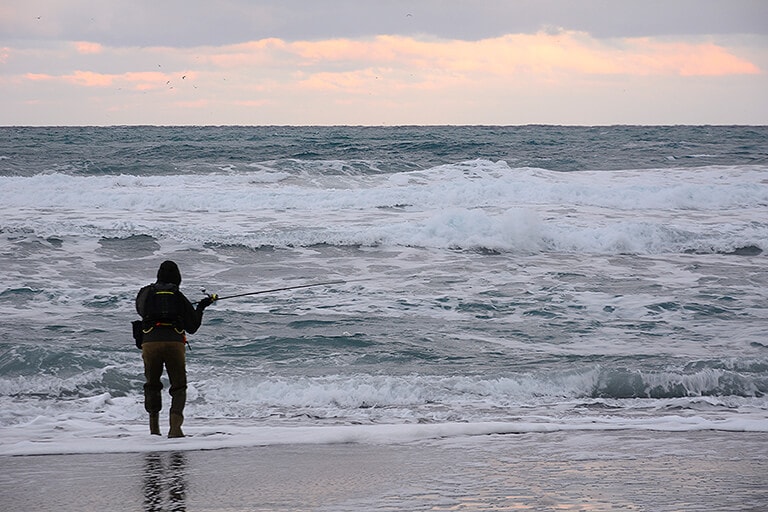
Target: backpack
[(163, 307)]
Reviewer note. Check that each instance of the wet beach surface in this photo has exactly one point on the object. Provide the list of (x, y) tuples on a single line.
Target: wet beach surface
[(564, 471)]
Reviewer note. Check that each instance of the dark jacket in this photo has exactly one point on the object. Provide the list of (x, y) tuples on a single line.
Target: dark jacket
[(190, 318)]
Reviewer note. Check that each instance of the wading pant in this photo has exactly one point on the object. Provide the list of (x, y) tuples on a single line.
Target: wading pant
[(170, 354)]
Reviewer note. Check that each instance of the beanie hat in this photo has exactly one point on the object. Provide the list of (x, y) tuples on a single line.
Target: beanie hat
[(169, 273)]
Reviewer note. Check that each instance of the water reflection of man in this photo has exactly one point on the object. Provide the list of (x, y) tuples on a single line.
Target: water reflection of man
[(158, 478)]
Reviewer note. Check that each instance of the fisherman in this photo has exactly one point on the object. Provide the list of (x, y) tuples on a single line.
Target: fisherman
[(167, 317)]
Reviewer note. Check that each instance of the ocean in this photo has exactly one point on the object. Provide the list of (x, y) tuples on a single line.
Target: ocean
[(487, 283)]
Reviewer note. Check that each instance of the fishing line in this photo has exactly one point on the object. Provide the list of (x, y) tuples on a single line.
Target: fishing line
[(272, 290)]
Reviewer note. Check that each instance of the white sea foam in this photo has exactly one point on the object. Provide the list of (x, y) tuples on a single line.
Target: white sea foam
[(542, 280), (474, 204), (69, 435), (472, 184), (244, 410)]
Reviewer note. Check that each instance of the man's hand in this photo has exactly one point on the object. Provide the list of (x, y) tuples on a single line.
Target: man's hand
[(207, 301)]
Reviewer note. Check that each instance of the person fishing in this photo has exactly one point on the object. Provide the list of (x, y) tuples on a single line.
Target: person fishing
[(167, 316)]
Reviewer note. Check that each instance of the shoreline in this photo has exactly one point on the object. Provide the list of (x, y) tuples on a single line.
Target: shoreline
[(562, 470)]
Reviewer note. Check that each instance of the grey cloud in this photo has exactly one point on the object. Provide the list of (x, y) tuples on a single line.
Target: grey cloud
[(202, 22)]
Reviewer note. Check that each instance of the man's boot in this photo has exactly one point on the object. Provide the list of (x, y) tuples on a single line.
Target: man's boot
[(176, 420), (154, 423)]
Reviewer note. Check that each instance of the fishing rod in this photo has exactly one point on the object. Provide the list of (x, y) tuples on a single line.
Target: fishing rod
[(296, 287)]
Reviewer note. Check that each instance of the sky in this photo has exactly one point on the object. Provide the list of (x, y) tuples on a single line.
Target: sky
[(376, 62)]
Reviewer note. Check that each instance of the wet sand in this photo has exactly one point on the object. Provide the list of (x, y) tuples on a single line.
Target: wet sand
[(645, 471)]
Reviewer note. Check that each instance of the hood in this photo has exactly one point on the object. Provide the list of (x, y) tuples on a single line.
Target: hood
[(169, 273)]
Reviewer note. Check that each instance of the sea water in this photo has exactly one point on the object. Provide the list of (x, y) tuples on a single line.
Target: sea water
[(493, 280)]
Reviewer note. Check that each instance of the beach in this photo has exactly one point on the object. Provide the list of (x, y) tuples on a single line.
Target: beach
[(412, 318), (602, 471)]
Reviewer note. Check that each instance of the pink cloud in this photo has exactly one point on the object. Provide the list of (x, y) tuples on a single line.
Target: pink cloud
[(380, 49), (89, 79), (385, 74), (144, 80), (357, 80), (686, 59), (85, 47), (531, 54), (84, 78), (38, 77), (260, 52)]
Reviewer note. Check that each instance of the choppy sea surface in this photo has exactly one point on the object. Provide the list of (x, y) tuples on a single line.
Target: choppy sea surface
[(496, 280)]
